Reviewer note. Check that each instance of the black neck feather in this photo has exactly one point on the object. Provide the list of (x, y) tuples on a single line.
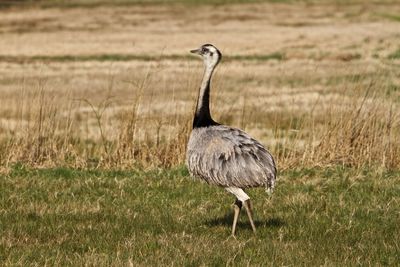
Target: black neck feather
[(202, 117)]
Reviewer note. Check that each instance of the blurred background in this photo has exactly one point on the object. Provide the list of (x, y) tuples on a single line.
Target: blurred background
[(94, 83)]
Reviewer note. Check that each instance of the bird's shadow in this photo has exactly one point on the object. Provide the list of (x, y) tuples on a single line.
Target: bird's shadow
[(243, 222)]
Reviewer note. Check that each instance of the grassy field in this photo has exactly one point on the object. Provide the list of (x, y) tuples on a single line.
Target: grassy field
[(329, 216), (114, 86), (96, 105)]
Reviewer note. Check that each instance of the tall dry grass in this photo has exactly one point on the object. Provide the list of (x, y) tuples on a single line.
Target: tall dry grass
[(359, 127)]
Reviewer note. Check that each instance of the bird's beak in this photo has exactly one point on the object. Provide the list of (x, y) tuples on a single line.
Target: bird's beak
[(196, 51)]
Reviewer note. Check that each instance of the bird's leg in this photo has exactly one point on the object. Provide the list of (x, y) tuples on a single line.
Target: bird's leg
[(237, 206), (249, 211)]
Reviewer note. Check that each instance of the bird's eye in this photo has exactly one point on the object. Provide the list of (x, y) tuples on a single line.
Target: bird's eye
[(203, 50)]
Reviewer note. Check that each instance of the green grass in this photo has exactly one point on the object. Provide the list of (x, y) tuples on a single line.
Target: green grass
[(95, 3), (316, 217), (130, 57), (94, 57), (390, 16), (395, 54), (266, 57)]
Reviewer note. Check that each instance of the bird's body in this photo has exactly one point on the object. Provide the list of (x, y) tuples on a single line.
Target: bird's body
[(229, 157), (222, 155)]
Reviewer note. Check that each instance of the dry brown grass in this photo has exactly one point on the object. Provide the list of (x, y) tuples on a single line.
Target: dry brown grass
[(113, 86)]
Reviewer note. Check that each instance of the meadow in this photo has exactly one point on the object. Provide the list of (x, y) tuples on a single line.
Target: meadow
[(96, 106), (326, 216)]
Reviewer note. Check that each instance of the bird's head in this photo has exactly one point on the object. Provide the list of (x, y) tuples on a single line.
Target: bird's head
[(210, 54)]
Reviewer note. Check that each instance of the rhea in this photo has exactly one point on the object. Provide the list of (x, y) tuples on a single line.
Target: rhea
[(222, 155)]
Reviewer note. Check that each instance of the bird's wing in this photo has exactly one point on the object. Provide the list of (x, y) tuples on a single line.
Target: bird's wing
[(230, 157)]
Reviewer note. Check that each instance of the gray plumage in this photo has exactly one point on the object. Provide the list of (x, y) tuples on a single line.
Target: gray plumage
[(222, 155), (229, 157)]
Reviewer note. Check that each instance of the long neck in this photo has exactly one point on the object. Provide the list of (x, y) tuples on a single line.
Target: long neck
[(202, 116)]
